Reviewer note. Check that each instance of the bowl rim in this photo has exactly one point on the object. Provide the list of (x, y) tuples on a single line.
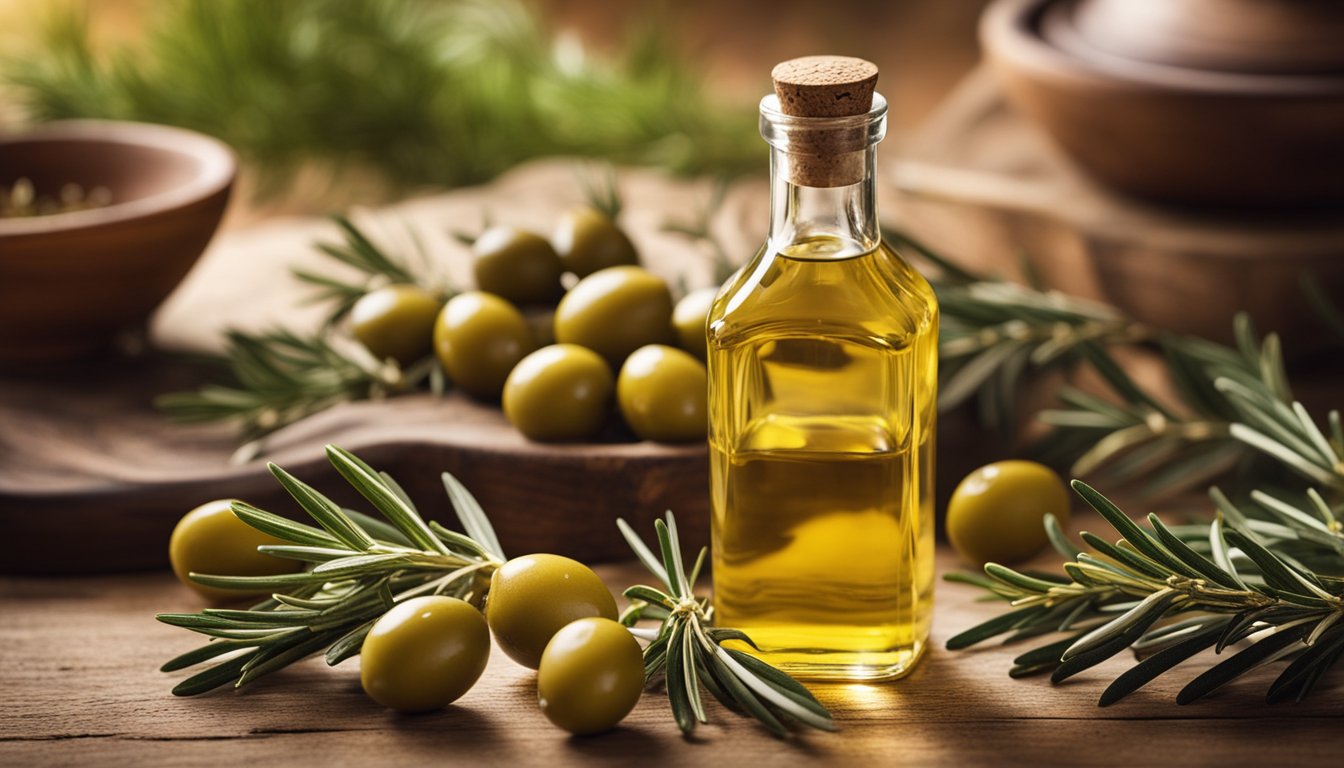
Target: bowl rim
[(218, 167), (1009, 30)]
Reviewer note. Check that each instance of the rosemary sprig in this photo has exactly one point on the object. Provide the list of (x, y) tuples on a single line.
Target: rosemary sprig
[(1234, 410), (700, 230), (600, 190), (1238, 408), (360, 566), (1279, 583), (1271, 565), (687, 650), (376, 267), (279, 377), (993, 331)]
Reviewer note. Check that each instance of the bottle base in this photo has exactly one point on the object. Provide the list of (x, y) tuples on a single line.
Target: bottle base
[(843, 666)]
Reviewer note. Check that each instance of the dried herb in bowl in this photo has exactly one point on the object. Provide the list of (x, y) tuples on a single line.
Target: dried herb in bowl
[(22, 200)]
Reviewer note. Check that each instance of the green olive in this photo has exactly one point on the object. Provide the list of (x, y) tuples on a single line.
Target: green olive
[(395, 321), (560, 392), (479, 338), (616, 311), (591, 676), (662, 392), (211, 539), (587, 240), (689, 318), (424, 653), (517, 265), (996, 514), (533, 596)]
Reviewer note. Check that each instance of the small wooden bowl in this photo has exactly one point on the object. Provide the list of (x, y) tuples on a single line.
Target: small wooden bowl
[(1175, 133), (70, 282)]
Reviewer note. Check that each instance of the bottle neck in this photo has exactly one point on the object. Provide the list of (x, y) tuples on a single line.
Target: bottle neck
[(825, 222), (823, 201)]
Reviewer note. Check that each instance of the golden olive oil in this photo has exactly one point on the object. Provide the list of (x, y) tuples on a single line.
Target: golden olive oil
[(823, 376)]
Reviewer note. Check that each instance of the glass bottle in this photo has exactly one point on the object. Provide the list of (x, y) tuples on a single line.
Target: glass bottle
[(823, 379)]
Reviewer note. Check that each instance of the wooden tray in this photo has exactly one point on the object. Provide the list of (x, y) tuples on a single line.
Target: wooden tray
[(92, 478)]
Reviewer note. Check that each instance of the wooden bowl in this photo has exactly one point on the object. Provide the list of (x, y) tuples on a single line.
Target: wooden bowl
[(1251, 36), (1180, 134), (70, 282)]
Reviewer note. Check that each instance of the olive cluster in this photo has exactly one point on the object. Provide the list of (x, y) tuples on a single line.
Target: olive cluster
[(547, 612), (546, 353)]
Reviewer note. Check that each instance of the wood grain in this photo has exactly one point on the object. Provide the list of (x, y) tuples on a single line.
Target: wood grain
[(78, 685)]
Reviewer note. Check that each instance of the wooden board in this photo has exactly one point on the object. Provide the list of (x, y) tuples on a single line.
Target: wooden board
[(983, 184), (105, 477), (86, 461), (79, 686)]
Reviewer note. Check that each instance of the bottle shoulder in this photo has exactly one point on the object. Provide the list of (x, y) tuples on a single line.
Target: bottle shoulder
[(875, 295)]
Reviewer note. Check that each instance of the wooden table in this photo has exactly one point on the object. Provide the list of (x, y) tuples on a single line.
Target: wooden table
[(79, 686)]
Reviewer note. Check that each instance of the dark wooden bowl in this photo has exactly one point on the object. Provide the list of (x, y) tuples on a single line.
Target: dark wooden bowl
[(1251, 36), (1180, 134), (70, 282)]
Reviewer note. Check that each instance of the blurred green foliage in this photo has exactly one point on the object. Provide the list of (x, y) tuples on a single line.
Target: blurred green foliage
[(442, 93)]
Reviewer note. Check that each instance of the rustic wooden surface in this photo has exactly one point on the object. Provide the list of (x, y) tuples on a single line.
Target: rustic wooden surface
[(85, 457), (79, 685)]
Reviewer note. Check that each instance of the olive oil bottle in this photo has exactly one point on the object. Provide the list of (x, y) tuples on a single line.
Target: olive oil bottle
[(822, 379)]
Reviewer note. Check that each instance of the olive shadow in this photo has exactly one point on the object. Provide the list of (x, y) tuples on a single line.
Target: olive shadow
[(615, 747)]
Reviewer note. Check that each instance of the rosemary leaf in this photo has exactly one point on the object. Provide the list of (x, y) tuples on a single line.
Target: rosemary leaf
[(325, 511), (472, 516), (214, 677), (372, 487), (1150, 668), (1239, 664), (1301, 675)]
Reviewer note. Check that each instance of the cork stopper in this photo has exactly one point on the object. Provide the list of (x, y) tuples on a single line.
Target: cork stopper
[(826, 87)]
